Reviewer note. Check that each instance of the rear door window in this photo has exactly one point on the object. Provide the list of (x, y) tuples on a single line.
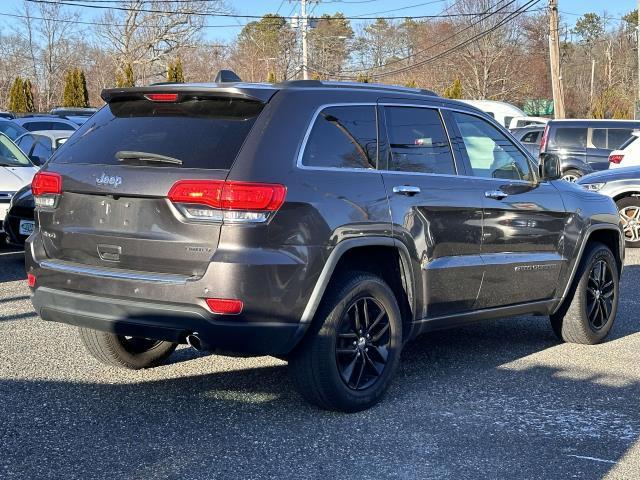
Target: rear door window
[(204, 134), (568, 137), (418, 141), (531, 137), (343, 137)]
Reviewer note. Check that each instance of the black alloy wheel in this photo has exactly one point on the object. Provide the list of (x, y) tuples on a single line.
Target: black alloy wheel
[(600, 295), (362, 345)]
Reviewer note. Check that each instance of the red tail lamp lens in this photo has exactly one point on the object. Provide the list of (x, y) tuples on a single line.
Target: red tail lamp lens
[(31, 280), (162, 97), (225, 306), (46, 183), (616, 158), (229, 195)]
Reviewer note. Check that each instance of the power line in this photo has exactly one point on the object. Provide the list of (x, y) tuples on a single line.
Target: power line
[(232, 15), (484, 16)]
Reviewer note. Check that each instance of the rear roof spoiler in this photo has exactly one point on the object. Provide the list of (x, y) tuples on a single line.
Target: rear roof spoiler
[(253, 92)]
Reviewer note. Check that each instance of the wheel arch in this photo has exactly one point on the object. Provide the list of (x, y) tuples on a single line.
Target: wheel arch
[(625, 194), (356, 255), (608, 234)]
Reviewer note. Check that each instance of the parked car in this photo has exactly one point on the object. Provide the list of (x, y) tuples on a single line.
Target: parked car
[(530, 138), (521, 122), (16, 171), (502, 112), (320, 222), (623, 186), (11, 129), (45, 122), (628, 155), (19, 221), (7, 115), (75, 114), (583, 146), (40, 145)]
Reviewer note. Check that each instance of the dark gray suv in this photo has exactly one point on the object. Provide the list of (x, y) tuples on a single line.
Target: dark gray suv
[(323, 223)]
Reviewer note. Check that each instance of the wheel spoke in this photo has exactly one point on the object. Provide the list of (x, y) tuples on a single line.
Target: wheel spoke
[(379, 335), (592, 308), (377, 320), (378, 367), (605, 310), (347, 372), (382, 352), (363, 363), (348, 335), (365, 309), (346, 351), (357, 317)]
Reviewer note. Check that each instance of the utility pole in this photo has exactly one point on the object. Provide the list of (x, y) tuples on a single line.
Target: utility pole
[(305, 46), (637, 109), (554, 60)]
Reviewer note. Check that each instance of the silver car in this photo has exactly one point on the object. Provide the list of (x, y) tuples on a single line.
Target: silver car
[(16, 171)]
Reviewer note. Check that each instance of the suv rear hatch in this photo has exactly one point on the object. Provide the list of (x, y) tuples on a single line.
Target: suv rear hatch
[(118, 168)]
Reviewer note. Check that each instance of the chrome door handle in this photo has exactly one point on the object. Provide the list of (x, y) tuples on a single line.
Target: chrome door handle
[(496, 194), (408, 190)]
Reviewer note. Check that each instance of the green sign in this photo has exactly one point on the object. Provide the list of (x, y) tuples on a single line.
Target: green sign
[(539, 107)]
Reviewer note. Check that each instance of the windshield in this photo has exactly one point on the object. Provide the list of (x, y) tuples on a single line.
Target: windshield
[(11, 155), (628, 142)]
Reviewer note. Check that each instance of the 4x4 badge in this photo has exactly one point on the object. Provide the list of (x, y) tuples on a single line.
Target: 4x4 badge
[(106, 180)]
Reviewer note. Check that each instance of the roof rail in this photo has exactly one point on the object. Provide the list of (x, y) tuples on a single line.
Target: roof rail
[(337, 84)]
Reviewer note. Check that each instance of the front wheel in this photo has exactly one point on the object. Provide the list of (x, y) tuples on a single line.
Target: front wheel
[(348, 360), (132, 353), (629, 209), (589, 312), (572, 175)]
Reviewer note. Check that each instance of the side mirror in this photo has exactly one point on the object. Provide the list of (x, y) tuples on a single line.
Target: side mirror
[(549, 167)]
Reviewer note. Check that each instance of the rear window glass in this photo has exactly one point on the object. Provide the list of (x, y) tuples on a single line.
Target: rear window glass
[(35, 126), (531, 137), (629, 141), (343, 137), (206, 134), (617, 136), (569, 137)]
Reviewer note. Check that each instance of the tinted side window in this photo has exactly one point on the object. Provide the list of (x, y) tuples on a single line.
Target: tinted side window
[(26, 143), (628, 142), (418, 141), (490, 152), (618, 136), (42, 148), (599, 137), (569, 137), (343, 137), (531, 137)]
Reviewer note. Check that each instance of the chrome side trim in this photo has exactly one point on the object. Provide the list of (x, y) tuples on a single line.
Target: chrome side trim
[(68, 267)]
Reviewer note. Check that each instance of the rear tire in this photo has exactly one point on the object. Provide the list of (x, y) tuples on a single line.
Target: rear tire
[(588, 313), (348, 359), (571, 175), (629, 209), (132, 353)]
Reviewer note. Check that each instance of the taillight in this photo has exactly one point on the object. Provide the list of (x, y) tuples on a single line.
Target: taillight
[(617, 158), (46, 186), (224, 306), (543, 141), (31, 280), (230, 201), (162, 97)]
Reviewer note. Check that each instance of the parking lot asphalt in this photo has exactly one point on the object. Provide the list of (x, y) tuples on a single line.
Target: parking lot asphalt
[(501, 399)]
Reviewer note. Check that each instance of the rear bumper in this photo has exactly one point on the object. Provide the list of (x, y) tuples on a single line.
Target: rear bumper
[(165, 321)]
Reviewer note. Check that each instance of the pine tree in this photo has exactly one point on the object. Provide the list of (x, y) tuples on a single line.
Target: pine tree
[(271, 78), (82, 94), (454, 90), (16, 96), (68, 91), (29, 104), (175, 72), (411, 84), (126, 79)]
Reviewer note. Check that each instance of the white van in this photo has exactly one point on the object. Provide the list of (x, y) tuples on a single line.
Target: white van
[(503, 112)]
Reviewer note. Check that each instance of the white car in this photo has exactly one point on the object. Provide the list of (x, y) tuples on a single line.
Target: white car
[(16, 171), (628, 155)]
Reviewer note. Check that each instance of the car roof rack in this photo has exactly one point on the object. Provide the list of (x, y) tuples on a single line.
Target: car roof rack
[(338, 84)]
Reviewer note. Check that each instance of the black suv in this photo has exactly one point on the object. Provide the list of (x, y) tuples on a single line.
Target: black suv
[(323, 223), (583, 146)]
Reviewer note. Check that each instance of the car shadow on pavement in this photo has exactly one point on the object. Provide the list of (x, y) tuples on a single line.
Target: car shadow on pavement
[(11, 265), (477, 402)]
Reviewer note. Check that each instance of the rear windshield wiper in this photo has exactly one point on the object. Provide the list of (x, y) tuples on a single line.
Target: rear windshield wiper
[(126, 156)]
